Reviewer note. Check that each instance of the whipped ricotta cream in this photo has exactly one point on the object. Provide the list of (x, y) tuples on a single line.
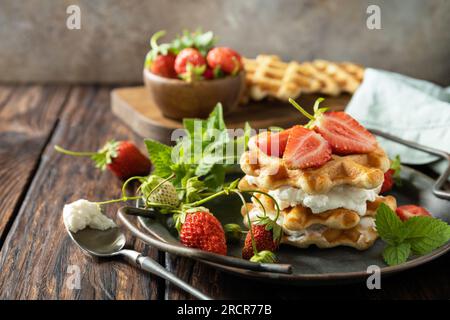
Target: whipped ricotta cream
[(83, 213), (343, 196)]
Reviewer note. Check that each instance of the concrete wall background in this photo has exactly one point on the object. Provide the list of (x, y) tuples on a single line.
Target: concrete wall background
[(36, 46)]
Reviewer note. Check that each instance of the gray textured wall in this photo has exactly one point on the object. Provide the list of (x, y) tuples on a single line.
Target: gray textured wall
[(36, 46)]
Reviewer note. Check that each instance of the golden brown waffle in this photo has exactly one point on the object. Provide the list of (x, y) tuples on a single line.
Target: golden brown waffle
[(268, 76), (359, 170), (360, 235)]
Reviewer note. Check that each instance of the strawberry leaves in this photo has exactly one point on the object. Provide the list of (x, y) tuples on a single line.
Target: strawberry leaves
[(156, 49), (203, 42), (417, 235)]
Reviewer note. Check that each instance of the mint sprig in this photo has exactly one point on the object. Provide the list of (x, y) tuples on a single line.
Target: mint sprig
[(417, 235), (199, 159)]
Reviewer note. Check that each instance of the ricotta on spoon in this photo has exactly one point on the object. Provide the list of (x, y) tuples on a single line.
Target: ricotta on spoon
[(82, 213)]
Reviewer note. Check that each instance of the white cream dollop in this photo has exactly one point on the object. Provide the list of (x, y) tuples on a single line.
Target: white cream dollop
[(343, 196), (83, 213)]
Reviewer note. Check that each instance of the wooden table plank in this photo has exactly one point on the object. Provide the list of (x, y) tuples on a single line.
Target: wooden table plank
[(28, 115), (37, 252)]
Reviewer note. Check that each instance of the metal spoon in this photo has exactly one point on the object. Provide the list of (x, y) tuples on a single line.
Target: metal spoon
[(110, 243)]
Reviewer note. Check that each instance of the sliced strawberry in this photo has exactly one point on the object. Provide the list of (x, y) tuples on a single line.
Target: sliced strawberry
[(408, 211), (305, 149), (345, 134), (273, 143)]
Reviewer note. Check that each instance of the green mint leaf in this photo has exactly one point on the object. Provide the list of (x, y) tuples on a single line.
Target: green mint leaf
[(425, 234), (389, 225), (194, 188), (396, 254), (216, 178), (160, 156), (215, 119)]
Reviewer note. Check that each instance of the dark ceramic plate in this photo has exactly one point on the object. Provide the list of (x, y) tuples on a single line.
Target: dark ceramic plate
[(341, 264)]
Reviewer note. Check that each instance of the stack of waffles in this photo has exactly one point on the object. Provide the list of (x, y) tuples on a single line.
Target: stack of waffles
[(268, 76), (332, 205)]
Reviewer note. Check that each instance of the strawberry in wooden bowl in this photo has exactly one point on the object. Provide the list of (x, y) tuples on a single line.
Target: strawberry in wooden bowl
[(188, 76)]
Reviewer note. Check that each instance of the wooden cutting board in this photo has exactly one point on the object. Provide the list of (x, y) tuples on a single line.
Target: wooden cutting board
[(134, 107)]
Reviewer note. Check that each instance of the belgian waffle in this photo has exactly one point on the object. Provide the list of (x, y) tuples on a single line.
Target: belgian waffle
[(359, 170), (268, 76), (361, 236)]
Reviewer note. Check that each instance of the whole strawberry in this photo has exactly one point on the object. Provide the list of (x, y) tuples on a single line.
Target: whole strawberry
[(155, 189), (192, 57), (228, 60), (164, 66), (264, 241), (122, 158), (203, 231), (160, 60), (392, 176)]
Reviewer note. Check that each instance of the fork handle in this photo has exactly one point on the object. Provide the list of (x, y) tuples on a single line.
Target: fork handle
[(150, 265)]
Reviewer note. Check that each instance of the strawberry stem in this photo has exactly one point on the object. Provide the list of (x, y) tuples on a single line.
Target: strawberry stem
[(118, 200), (271, 197), (299, 108), (154, 39), (125, 184), (75, 153), (249, 221), (202, 201)]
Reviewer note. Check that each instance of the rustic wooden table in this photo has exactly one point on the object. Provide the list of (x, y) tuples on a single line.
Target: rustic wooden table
[(36, 253)]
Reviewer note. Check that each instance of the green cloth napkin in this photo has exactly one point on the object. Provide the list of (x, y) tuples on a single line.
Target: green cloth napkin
[(412, 109)]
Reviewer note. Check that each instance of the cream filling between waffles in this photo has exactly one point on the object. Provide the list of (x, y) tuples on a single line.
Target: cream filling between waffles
[(343, 196)]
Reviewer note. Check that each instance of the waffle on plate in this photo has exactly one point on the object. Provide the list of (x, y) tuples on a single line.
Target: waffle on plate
[(327, 205)]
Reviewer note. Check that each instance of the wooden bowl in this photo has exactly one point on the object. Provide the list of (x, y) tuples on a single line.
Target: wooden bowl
[(178, 99)]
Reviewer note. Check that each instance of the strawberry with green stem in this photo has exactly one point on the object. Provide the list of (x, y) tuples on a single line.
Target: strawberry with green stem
[(160, 60), (260, 252), (122, 158), (392, 176), (264, 234), (190, 64)]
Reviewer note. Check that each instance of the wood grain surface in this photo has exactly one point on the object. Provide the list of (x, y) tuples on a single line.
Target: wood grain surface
[(36, 253)]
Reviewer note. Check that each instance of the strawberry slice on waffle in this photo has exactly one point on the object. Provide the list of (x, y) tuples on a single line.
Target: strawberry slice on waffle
[(305, 149), (273, 143), (344, 134)]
